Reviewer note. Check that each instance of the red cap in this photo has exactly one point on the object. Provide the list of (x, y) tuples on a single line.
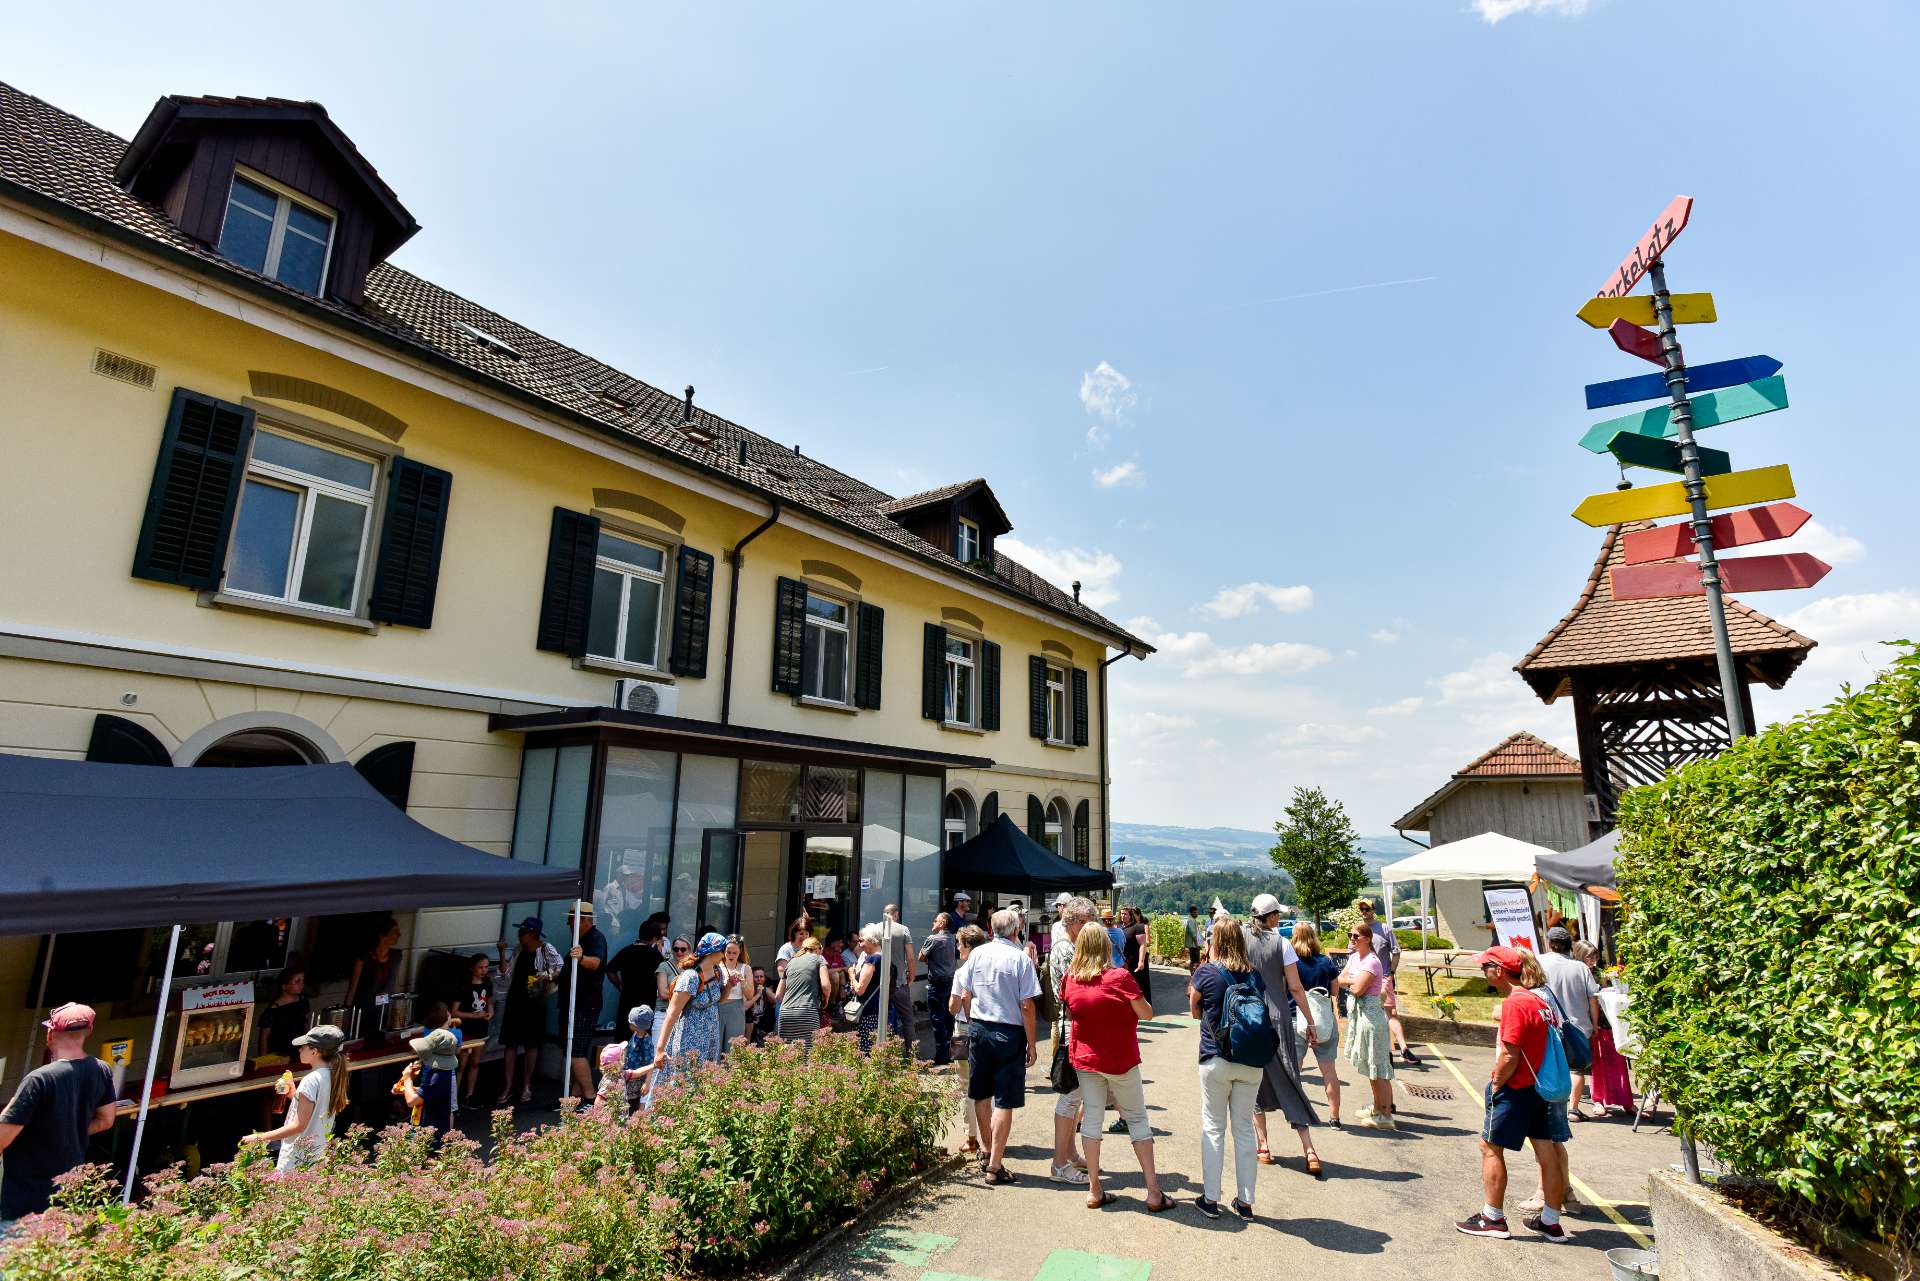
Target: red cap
[(1504, 957), (71, 1017)]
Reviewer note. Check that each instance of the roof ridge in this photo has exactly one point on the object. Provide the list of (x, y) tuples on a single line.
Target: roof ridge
[(1538, 747)]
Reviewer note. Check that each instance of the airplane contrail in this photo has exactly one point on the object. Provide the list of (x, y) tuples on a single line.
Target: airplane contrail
[(1322, 293)]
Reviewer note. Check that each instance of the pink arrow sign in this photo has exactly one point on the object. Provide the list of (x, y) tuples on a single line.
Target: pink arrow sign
[(1635, 341), (1745, 574), (1671, 222), (1735, 529)]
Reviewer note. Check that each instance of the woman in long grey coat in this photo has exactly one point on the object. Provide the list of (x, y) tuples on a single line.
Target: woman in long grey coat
[(1280, 1090)]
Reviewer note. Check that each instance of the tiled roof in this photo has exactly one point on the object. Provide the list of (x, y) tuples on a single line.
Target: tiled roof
[(1600, 631), (927, 498), (48, 155), (1521, 753)]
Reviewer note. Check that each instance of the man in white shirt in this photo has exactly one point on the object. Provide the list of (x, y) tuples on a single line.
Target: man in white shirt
[(995, 990)]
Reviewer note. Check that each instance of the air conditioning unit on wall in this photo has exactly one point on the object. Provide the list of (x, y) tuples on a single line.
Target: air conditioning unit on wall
[(634, 695)]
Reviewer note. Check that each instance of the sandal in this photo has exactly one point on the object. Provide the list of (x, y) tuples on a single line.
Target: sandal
[(1313, 1165), (999, 1177), (1105, 1199), (1264, 1156), (1162, 1206)]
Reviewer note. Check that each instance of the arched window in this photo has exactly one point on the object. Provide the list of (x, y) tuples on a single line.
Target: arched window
[(259, 747), (956, 819), (1059, 823)]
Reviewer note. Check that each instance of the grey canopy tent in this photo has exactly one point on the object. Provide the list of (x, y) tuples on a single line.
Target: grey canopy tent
[(1591, 864), (1005, 858), (91, 846)]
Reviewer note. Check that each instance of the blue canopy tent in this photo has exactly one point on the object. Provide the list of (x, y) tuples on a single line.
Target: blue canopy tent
[(90, 846)]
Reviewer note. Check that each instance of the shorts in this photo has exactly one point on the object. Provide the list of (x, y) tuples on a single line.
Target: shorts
[(1516, 1113), (584, 1022), (997, 1064)]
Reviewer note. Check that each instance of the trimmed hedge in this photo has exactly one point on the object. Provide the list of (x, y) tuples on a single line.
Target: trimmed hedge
[(1411, 938), (1167, 937), (1773, 948)]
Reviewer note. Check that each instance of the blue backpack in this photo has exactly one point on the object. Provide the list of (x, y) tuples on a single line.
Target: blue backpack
[(1246, 1034), (1552, 1079)]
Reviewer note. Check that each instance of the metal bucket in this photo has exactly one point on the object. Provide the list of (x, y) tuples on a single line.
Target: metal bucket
[(1633, 1265)]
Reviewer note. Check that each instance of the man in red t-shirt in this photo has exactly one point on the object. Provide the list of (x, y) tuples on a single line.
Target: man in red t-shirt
[(1515, 1112)]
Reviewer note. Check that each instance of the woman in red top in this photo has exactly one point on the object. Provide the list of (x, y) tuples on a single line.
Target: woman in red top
[(1106, 1008)]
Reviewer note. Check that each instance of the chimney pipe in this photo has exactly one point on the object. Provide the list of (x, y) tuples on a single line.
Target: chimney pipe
[(1076, 591), (743, 451), (686, 410), (796, 449)]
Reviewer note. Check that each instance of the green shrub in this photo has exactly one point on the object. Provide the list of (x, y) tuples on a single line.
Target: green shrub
[(767, 1149), (1167, 937), (1773, 949), (1411, 938)]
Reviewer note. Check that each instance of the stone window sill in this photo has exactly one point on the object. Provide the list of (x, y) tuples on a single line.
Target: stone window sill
[(281, 609), (615, 667), (828, 705)]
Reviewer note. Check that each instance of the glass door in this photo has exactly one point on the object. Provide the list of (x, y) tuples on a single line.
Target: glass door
[(720, 881), (823, 882)]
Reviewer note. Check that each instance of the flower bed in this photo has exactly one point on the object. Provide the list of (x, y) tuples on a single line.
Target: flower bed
[(755, 1154)]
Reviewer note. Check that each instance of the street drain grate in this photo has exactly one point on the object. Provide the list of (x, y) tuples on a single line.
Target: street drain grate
[(1432, 1093)]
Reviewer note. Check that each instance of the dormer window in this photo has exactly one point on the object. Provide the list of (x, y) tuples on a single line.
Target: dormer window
[(966, 545), (277, 233)]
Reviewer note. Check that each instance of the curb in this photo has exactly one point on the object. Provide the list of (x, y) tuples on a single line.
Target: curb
[(801, 1264)]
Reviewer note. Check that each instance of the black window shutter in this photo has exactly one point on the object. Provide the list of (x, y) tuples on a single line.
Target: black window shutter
[(1036, 819), (989, 810), (933, 673), (196, 488), (412, 531), (989, 685), (1079, 707), (1036, 696), (118, 741), (567, 599), (692, 613), (869, 644), (789, 634), (1082, 834), (389, 769)]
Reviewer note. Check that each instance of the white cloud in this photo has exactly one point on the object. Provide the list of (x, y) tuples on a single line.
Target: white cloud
[(1404, 707), (1255, 659), (1095, 571), (1127, 473), (1314, 734), (1108, 395), (1834, 546), (1490, 678), (1852, 632), (1383, 637), (1152, 725), (1496, 10), (1237, 602)]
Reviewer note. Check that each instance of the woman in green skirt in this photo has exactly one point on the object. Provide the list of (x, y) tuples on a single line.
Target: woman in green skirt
[(1369, 1042)]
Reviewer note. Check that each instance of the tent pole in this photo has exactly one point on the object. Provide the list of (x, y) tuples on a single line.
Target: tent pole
[(1425, 888), (39, 1003), (153, 1066), (573, 999), (885, 977)]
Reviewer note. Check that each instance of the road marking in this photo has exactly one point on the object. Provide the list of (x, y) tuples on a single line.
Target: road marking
[(897, 1245), (1587, 1194), (1079, 1265)]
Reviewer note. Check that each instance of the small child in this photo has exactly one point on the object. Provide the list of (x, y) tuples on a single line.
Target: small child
[(613, 1076), (473, 1020), (427, 1083), (637, 1055)]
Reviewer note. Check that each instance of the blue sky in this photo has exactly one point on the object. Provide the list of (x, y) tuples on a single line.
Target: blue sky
[(1258, 317)]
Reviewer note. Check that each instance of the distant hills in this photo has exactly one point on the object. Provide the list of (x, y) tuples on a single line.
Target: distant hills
[(1155, 852)]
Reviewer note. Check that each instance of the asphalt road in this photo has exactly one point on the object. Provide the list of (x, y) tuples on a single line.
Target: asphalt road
[(1387, 1200)]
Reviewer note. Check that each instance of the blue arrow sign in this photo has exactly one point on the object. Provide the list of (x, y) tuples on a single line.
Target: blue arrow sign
[(1748, 400), (1721, 373)]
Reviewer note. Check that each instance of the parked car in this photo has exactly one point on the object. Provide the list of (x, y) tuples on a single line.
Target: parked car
[(1412, 922)]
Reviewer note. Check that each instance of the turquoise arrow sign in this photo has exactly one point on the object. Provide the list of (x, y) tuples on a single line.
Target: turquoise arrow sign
[(1749, 400), (1664, 455)]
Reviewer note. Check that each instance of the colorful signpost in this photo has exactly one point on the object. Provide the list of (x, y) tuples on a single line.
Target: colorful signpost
[(1735, 529), (1743, 574), (1637, 309), (1711, 377), (1664, 455), (1749, 400), (1635, 341), (1735, 489), (1647, 250)]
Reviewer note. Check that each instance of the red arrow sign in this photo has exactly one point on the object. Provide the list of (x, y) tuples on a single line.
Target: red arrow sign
[(1670, 223), (1735, 529), (1635, 341), (1744, 574)]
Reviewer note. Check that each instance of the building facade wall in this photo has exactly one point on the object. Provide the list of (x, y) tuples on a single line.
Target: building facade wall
[(1542, 812)]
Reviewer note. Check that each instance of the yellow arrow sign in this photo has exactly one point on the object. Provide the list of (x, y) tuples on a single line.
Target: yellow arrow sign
[(1637, 309), (1735, 489)]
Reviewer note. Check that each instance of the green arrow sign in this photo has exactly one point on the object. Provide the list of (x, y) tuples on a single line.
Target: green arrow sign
[(1749, 400), (1664, 455)]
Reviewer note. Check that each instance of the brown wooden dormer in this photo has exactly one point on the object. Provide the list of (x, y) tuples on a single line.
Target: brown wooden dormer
[(271, 184), (961, 520)]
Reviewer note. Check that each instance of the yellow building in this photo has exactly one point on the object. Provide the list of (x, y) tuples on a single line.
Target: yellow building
[(269, 499)]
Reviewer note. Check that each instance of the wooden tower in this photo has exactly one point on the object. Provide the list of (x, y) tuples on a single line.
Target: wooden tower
[(1645, 688)]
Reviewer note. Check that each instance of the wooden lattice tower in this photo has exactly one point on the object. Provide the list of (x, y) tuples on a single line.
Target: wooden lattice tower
[(1646, 692)]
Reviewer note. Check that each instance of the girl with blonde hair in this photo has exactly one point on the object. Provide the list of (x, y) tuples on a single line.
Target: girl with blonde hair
[(1227, 1089)]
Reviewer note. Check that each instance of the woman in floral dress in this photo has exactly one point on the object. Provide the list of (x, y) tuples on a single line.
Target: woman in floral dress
[(692, 1026)]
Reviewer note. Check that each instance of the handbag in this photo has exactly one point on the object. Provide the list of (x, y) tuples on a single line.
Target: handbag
[(1062, 1075), (1321, 1003), (1299, 1024)]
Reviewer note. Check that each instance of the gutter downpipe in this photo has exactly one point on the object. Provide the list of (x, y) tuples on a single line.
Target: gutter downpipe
[(735, 559), (1106, 814), (1423, 897)]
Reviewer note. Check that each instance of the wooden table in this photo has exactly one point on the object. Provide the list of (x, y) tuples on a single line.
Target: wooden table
[(358, 1060)]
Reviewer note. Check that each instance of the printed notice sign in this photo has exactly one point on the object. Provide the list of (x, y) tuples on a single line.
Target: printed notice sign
[(1511, 912)]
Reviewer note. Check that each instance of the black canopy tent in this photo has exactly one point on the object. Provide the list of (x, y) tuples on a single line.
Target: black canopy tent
[(91, 846), (1590, 865), (1005, 858)]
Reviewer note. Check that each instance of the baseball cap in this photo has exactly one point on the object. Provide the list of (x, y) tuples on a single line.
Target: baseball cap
[(437, 1049), (322, 1036), (1265, 903), (640, 1018), (534, 925), (71, 1017), (963, 897), (1504, 957), (1060, 899), (1559, 934)]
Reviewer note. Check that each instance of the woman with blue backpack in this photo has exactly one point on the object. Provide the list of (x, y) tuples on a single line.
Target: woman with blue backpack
[(1237, 1041)]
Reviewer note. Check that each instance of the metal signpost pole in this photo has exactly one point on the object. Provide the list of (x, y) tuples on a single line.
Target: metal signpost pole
[(1701, 522)]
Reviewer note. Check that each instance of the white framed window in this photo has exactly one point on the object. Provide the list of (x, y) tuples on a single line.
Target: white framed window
[(277, 232), (300, 535), (629, 582), (956, 819), (823, 656), (1055, 837), (967, 542), (1056, 704), (962, 694)]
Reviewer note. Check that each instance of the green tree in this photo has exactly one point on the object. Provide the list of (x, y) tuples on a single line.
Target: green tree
[(1319, 849)]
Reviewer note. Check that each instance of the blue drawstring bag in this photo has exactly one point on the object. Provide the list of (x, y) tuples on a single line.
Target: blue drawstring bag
[(1552, 1080)]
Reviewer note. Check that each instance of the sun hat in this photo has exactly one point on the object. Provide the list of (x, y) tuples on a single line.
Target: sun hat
[(1504, 957), (612, 1056), (581, 907), (1264, 904), (437, 1049), (71, 1017), (323, 1036), (710, 942)]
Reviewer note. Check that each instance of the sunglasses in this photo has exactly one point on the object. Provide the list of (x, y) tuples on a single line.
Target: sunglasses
[(681, 947)]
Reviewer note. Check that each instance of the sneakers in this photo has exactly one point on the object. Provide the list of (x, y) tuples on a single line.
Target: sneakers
[(1550, 1231), (1242, 1209), (1406, 1056), (1068, 1173), (1479, 1225), (1209, 1208), (1535, 1204), (1381, 1121)]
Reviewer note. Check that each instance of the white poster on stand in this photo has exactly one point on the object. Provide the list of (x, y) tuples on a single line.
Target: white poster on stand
[(1511, 911)]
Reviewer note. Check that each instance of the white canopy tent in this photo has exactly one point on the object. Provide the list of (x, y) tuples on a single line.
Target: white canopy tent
[(1489, 856)]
